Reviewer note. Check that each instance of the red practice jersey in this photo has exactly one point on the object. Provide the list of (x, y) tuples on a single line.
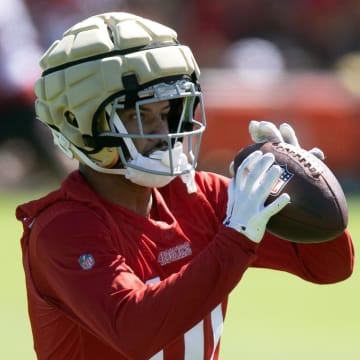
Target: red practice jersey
[(106, 283)]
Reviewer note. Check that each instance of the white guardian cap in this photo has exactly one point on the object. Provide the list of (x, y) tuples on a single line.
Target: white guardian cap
[(116, 61)]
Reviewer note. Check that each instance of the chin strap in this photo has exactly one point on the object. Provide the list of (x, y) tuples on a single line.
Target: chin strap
[(117, 125), (161, 163), (189, 180)]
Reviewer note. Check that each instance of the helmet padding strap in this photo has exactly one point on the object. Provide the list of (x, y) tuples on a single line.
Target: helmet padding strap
[(119, 127)]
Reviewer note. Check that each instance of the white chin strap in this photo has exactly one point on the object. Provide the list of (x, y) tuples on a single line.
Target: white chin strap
[(159, 161)]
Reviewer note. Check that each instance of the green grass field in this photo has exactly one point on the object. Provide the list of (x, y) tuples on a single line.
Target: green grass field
[(272, 315)]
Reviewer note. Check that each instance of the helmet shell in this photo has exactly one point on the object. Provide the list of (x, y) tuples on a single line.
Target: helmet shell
[(89, 64)]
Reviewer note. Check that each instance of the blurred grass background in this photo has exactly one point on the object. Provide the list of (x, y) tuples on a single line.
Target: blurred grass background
[(271, 315)]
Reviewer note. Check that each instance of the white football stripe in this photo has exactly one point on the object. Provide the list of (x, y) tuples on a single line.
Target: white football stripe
[(194, 342), (217, 323)]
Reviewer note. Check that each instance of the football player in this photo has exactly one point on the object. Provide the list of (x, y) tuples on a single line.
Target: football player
[(134, 256)]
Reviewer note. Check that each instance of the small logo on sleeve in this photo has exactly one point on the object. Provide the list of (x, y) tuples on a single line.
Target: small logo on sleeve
[(86, 261)]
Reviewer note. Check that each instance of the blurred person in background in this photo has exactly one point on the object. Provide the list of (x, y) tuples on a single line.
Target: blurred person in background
[(24, 145), (134, 256), (19, 51)]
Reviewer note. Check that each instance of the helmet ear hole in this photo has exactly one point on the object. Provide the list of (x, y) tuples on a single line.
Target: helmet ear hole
[(71, 119)]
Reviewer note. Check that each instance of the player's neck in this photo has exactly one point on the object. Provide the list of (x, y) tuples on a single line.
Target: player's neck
[(120, 191)]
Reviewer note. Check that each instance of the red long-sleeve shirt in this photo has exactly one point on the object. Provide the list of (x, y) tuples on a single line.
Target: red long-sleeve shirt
[(105, 282)]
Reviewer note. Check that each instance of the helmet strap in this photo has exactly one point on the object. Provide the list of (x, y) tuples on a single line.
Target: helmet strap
[(118, 126)]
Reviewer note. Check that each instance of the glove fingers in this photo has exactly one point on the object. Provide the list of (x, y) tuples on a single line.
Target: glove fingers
[(258, 173), (268, 180), (264, 131), (276, 206), (288, 134), (246, 167), (317, 153)]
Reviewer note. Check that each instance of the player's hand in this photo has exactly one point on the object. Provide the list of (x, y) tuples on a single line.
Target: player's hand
[(264, 131), (247, 193)]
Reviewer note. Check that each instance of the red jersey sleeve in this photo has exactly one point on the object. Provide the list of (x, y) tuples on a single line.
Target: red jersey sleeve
[(322, 263)]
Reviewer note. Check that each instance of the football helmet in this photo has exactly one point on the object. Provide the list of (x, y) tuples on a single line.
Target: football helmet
[(115, 61)]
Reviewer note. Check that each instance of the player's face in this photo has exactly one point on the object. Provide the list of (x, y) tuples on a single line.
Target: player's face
[(154, 119)]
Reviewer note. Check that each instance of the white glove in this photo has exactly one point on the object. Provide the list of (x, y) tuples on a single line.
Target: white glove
[(264, 131), (248, 192)]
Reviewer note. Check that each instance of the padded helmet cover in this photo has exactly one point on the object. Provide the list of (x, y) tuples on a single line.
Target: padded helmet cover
[(87, 67)]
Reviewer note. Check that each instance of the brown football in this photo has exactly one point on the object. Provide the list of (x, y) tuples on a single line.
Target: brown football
[(318, 209)]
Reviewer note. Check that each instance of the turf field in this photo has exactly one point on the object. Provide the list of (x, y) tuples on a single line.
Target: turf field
[(272, 316)]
